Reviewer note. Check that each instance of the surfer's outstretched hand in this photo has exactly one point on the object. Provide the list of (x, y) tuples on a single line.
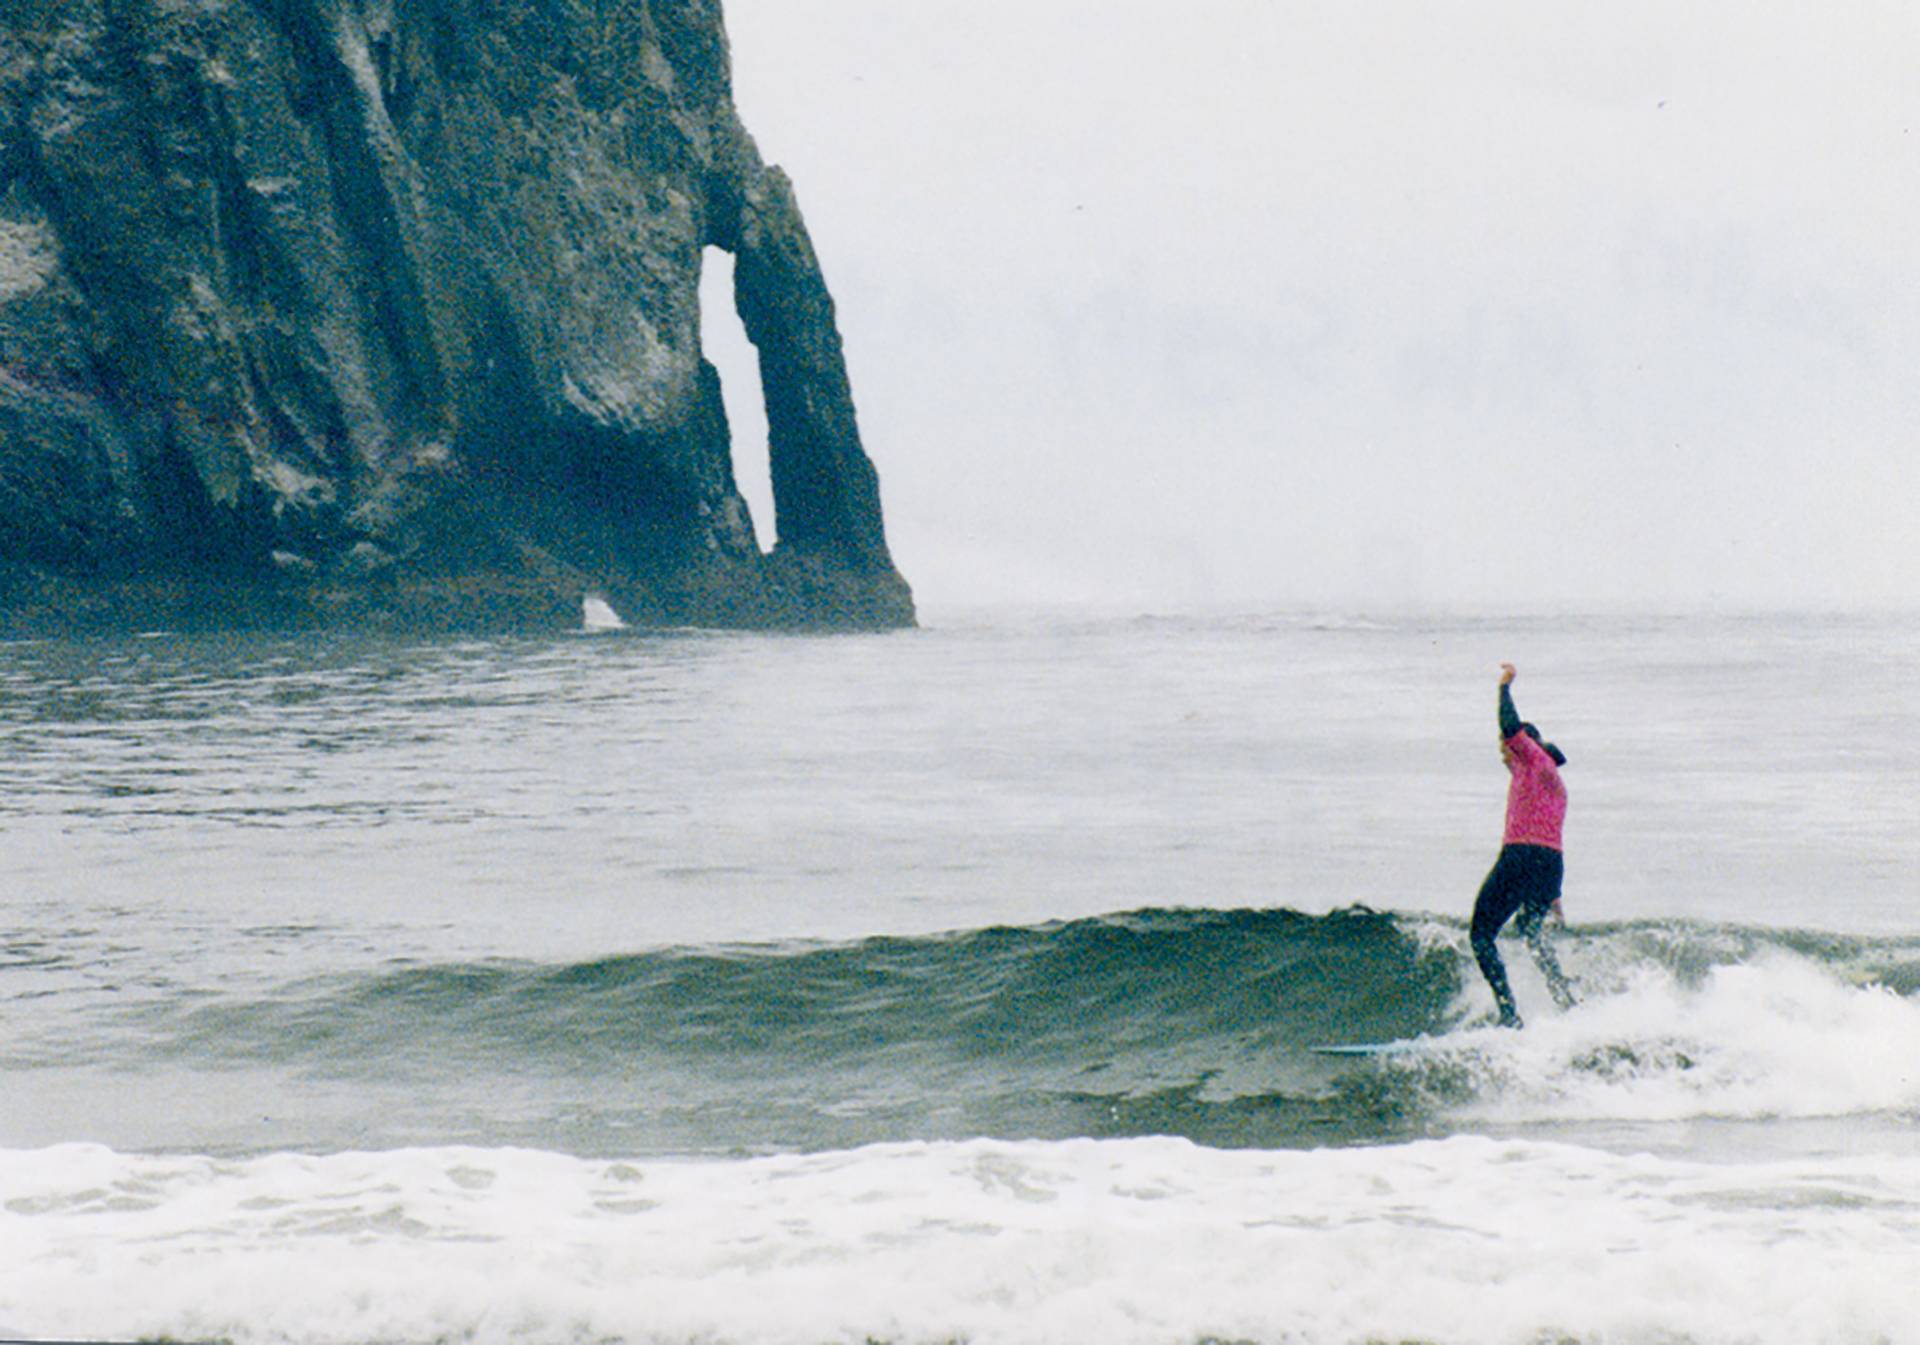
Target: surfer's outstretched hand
[(1507, 673)]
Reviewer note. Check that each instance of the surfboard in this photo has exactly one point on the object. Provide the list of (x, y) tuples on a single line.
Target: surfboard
[(1369, 1048)]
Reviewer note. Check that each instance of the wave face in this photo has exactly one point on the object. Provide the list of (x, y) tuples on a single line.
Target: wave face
[(1188, 1023)]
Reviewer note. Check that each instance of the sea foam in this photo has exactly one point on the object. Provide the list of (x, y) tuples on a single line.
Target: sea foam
[(1779, 1036), (1132, 1242)]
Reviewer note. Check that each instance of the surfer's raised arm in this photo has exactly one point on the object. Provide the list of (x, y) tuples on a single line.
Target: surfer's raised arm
[(1521, 745)]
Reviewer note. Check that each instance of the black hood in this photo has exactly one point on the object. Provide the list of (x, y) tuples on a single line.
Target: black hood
[(1559, 757)]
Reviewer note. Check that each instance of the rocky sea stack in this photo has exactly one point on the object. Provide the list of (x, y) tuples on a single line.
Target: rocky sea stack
[(386, 312)]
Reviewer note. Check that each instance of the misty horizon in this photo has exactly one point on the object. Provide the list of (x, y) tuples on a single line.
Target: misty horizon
[(1514, 308)]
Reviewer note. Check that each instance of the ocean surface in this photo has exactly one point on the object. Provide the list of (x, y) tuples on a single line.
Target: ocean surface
[(957, 985)]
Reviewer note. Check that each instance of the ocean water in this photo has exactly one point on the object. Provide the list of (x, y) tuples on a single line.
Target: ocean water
[(957, 985)]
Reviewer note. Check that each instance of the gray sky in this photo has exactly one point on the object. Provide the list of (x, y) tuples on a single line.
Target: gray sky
[(1364, 304)]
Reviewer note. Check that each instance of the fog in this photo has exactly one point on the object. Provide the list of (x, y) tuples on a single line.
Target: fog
[(1378, 305)]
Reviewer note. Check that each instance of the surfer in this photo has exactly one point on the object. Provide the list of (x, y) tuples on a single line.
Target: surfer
[(1526, 877)]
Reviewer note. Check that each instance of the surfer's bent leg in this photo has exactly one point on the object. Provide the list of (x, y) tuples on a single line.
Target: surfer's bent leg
[(1499, 898), (1545, 890)]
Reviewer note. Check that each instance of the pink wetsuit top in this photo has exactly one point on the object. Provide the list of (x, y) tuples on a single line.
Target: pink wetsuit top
[(1536, 796)]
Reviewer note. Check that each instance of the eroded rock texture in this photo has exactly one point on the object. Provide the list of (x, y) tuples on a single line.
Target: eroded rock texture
[(387, 310)]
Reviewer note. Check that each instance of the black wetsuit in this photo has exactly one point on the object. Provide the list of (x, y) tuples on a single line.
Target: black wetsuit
[(1526, 878)]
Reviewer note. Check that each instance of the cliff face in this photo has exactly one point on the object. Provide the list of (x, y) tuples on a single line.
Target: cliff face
[(387, 310)]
